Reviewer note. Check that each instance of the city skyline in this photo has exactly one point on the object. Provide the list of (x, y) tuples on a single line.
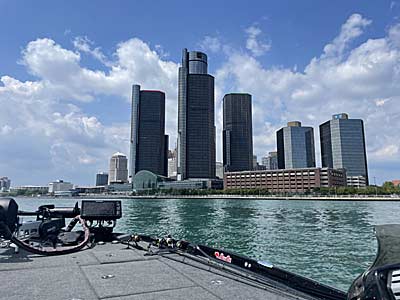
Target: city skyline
[(64, 90)]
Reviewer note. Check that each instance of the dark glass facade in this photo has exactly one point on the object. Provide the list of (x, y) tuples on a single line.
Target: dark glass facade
[(149, 144), (237, 133), (101, 179), (295, 146), (196, 128), (326, 144), (281, 149), (343, 145)]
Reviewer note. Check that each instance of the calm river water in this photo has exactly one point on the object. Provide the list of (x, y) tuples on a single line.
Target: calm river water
[(331, 242)]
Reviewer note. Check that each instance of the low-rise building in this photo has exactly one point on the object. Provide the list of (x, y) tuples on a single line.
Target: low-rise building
[(285, 180), (60, 186), (90, 189), (146, 180), (119, 188), (357, 181), (31, 188), (396, 182), (192, 184)]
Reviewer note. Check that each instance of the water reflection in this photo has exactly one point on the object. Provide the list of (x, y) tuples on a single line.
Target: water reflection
[(331, 242)]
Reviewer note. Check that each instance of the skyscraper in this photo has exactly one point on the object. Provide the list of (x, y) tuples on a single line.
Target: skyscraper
[(149, 144), (237, 133), (196, 128), (343, 146), (271, 161), (118, 168), (295, 146), (101, 179)]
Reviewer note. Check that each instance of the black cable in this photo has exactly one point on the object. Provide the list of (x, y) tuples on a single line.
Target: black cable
[(50, 251)]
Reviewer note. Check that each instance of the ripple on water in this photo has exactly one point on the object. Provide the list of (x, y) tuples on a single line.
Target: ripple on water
[(331, 242)]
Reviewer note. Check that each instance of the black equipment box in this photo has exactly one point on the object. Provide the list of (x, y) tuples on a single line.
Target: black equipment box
[(101, 210)]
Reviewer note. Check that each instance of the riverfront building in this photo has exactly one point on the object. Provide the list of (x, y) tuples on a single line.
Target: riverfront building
[(118, 169), (60, 186), (101, 179), (196, 127), (148, 142), (285, 181), (343, 146), (44, 189), (146, 180), (295, 146), (237, 132)]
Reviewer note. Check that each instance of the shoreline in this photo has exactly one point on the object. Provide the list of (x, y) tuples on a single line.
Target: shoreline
[(232, 197)]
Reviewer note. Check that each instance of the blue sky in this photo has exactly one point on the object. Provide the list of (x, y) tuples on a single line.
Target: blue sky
[(66, 69)]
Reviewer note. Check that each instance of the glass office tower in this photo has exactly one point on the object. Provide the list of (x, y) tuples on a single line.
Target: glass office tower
[(196, 128), (295, 146), (237, 133), (343, 146), (149, 144)]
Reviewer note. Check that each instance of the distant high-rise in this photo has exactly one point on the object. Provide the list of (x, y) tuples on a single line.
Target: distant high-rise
[(219, 170), (237, 133), (5, 184), (254, 161), (295, 146), (196, 128), (118, 169), (172, 164), (149, 144), (271, 161), (343, 146), (101, 179)]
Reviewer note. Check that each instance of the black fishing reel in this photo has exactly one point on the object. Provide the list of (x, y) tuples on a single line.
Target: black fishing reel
[(48, 235)]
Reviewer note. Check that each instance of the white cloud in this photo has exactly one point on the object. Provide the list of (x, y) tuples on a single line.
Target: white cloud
[(358, 80), (161, 52), (254, 44), (381, 102), (350, 30), (388, 152), (83, 44), (45, 133), (211, 44)]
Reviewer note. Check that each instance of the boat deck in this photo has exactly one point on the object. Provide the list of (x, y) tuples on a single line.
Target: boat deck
[(111, 271)]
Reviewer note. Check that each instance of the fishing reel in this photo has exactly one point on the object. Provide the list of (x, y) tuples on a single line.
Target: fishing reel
[(48, 235)]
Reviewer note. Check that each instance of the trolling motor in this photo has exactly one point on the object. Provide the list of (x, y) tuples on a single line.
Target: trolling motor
[(381, 280), (48, 235)]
